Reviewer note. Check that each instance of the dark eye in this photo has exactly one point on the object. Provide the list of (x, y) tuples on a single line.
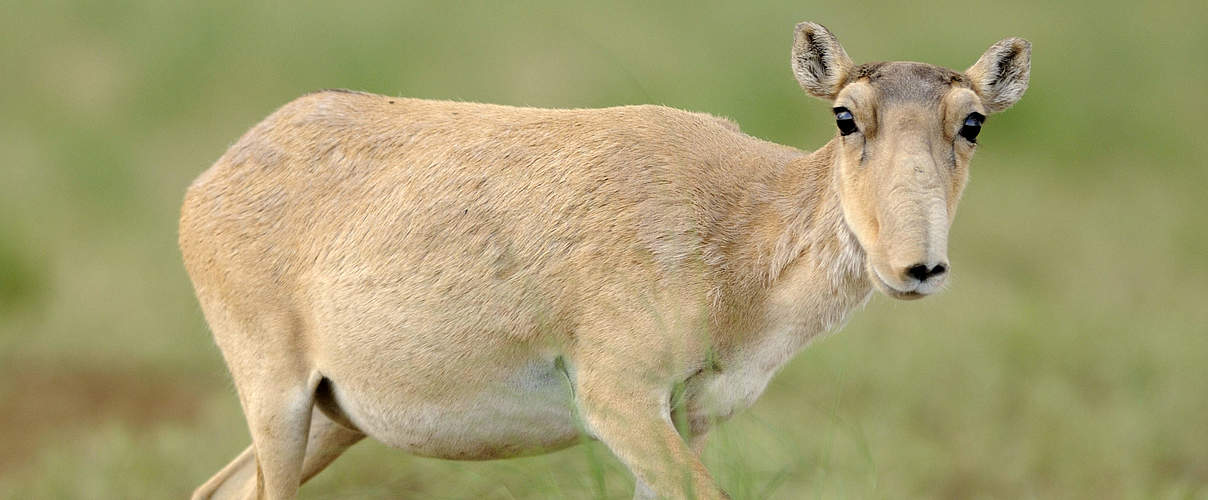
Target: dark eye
[(845, 120), (972, 126)]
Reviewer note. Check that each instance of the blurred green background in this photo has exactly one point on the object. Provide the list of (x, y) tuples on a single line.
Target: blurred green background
[(1068, 359)]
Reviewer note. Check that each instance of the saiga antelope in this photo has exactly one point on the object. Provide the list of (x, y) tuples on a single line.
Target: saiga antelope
[(471, 281)]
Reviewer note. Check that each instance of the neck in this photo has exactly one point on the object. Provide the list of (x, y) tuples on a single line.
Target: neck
[(815, 233), (791, 217)]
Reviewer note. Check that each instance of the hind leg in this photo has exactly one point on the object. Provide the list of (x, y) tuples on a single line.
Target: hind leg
[(278, 409), (267, 358), (279, 421), (236, 480), (327, 440)]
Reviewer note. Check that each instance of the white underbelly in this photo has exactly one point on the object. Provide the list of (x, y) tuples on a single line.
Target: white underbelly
[(524, 412)]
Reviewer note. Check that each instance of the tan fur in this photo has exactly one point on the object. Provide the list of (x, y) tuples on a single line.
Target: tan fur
[(472, 281)]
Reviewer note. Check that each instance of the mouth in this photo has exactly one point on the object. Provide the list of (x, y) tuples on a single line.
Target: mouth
[(889, 289)]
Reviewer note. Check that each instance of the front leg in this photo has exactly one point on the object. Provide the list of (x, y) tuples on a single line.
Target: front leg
[(642, 491), (631, 414)]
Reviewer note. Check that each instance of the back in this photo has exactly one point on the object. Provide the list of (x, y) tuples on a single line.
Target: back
[(345, 193)]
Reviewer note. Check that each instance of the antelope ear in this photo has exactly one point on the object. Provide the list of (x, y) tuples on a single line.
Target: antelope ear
[(1000, 76), (819, 62)]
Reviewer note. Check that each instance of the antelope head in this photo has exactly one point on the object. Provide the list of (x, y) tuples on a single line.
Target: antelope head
[(906, 132)]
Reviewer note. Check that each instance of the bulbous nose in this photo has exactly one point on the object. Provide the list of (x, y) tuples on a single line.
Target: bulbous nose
[(922, 272)]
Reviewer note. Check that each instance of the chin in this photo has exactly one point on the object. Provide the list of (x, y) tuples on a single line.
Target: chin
[(904, 295)]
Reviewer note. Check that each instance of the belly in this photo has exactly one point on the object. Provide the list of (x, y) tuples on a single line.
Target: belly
[(478, 415)]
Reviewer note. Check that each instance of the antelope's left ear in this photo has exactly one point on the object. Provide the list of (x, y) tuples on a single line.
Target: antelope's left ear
[(1000, 76)]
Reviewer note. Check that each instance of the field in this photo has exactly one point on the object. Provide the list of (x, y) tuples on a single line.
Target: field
[(1067, 359)]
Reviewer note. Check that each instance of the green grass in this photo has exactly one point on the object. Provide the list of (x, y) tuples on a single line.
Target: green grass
[(1068, 359)]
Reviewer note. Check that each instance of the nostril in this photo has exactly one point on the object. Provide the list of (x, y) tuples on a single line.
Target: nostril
[(918, 272), (922, 273)]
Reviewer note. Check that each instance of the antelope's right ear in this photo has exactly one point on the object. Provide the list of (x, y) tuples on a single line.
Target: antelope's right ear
[(819, 62)]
